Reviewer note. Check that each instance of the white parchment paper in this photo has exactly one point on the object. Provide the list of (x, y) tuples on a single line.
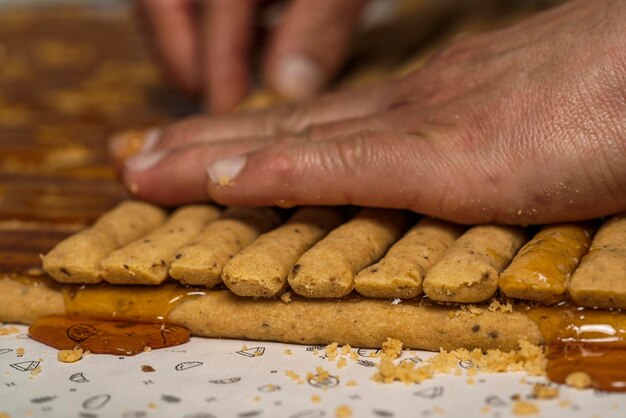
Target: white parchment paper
[(218, 378)]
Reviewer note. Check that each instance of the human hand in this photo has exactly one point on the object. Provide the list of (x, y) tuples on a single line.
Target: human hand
[(524, 125), (206, 45)]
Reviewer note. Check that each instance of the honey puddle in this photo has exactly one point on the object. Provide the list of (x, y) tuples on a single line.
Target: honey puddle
[(119, 320), (584, 340)]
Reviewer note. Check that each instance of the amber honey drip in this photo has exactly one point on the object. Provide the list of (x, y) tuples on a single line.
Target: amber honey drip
[(120, 320), (584, 340), (105, 336), (128, 303)]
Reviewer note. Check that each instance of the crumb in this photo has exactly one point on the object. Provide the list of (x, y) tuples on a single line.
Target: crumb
[(565, 403), (545, 392), (525, 408), (70, 356), (471, 381), (522, 380), (322, 374), (315, 352), (152, 405), (4, 415), (331, 351), (497, 306), (528, 357), (392, 348), (9, 330), (257, 398), (286, 297), (346, 349), (341, 363), (343, 411), (35, 271), (316, 399), (287, 352), (20, 351), (354, 356), (225, 181), (472, 372), (351, 383), (485, 409), (147, 349), (578, 380), (147, 368), (294, 376), (244, 347), (35, 371)]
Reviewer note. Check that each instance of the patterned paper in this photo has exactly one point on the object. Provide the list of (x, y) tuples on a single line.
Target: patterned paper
[(243, 379)]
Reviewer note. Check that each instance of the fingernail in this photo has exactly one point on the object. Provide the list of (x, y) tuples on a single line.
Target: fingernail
[(223, 172), (126, 144), (144, 161), (298, 77)]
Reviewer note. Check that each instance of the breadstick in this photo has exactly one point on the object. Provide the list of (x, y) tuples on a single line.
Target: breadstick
[(147, 260), (76, 259), (261, 269), (469, 271), (401, 272), (201, 261), (328, 269), (542, 269), (600, 280), (356, 321)]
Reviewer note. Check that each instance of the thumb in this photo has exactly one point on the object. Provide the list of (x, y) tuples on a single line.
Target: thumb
[(310, 45), (369, 168)]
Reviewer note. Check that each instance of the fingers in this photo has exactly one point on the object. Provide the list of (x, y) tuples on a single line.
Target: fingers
[(339, 108), (172, 27), (370, 169), (227, 33), (179, 176), (310, 45)]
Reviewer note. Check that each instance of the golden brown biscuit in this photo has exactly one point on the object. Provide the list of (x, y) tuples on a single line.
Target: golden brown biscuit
[(356, 321), (328, 269), (600, 280), (76, 259), (542, 269), (261, 269), (469, 271), (147, 260), (201, 261), (401, 272)]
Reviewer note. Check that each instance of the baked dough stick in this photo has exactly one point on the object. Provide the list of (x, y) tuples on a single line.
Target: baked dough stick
[(201, 261), (469, 271), (147, 260), (328, 269), (261, 269), (76, 259), (357, 321), (600, 280), (542, 269), (401, 272)]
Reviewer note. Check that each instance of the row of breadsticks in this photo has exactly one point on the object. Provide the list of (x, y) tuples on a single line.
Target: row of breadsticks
[(322, 252)]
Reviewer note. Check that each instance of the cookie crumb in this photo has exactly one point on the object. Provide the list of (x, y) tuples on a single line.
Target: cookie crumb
[(287, 352), (525, 408), (578, 380), (20, 351), (147, 349), (70, 356), (257, 398), (316, 399), (341, 363), (35, 371), (565, 403), (286, 297), (351, 383), (147, 368), (392, 348), (294, 376), (497, 306), (343, 411), (331, 351), (542, 391), (9, 330)]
